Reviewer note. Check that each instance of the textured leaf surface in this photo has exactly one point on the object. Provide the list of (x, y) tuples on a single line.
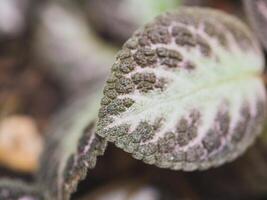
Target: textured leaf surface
[(17, 190), (71, 149), (185, 91), (256, 11)]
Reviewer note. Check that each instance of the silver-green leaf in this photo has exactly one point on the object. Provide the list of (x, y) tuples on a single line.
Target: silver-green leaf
[(186, 91)]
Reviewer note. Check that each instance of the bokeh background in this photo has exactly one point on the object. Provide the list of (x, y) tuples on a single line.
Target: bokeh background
[(52, 51)]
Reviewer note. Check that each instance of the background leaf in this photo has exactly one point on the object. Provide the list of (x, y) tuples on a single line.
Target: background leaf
[(256, 11), (71, 149), (17, 190)]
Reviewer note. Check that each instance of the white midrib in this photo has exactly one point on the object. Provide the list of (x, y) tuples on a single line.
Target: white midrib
[(245, 76), (167, 99), (154, 105)]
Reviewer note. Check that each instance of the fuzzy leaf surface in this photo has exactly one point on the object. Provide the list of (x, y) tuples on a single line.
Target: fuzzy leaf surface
[(186, 91)]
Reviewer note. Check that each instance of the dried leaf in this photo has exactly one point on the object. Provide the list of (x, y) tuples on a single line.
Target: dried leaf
[(71, 149), (20, 143), (186, 91), (17, 190), (256, 11)]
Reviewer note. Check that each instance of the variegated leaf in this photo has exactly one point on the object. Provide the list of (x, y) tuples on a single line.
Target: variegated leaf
[(256, 11), (18, 190), (72, 148), (186, 91)]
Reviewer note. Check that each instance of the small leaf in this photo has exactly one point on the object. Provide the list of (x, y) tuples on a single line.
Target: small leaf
[(256, 11), (72, 147), (17, 190), (186, 91)]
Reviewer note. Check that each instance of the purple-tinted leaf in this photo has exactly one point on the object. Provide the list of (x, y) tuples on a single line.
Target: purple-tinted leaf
[(256, 11)]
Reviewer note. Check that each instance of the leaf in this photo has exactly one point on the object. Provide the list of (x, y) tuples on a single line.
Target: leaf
[(186, 91), (119, 19), (86, 56), (72, 147), (17, 190), (256, 11)]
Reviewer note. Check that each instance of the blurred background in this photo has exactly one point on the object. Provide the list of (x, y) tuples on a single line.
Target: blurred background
[(52, 51)]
